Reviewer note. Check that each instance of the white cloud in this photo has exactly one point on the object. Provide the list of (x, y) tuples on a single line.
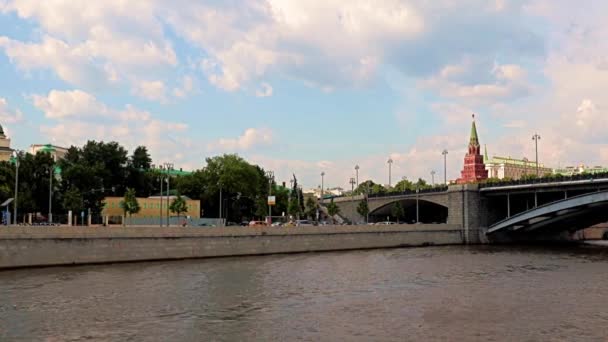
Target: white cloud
[(151, 90), (186, 87), (7, 115), (252, 137), (64, 104), (79, 116), (264, 91)]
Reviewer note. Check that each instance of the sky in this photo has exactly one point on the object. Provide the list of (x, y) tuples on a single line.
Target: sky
[(304, 87)]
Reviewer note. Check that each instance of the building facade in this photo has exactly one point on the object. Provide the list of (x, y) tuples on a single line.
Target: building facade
[(57, 152), (5, 146), (509, 168), (474, 169), (151, 207), (580, 169)]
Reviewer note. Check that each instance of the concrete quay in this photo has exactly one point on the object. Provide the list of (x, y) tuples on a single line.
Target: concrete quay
[(54, 246)]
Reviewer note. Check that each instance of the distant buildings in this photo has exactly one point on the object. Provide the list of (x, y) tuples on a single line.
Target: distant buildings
[(581, 169), (329, 192), (507, 167), (150, 207), (5, 146), (56, 152)]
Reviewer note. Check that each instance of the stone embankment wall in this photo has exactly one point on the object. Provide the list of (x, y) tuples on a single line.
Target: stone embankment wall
[(29, 246)]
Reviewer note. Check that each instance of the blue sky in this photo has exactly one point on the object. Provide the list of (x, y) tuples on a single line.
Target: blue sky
[(305, 87)]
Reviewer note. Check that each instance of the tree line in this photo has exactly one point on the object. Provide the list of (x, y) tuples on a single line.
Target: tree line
[(88, 174)]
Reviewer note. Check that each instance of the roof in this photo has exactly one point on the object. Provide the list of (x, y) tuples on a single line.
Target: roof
[(1, 130), (474, 139)]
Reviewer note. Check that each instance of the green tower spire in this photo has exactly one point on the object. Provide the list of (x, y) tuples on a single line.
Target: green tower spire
[(474, 140), (485, 153)]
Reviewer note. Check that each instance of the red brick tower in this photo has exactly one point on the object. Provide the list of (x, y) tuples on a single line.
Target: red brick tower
[(474, 169)]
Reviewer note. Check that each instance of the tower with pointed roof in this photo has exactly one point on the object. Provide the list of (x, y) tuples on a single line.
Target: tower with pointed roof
[(474, 169)]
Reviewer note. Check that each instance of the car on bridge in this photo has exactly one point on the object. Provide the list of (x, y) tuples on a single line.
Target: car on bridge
[(385, 223)]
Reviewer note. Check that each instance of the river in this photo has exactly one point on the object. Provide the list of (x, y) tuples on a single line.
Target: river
[(483, 293)]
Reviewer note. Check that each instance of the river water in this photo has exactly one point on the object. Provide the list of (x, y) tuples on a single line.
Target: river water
[(483, 293)]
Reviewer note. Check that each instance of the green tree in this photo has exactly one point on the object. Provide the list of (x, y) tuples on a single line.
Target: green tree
[(333, 210), (363, 209), (72, 200), (140, 159), (403, 185), (311, 208), (178, 206), (397, 211), (129, 204)]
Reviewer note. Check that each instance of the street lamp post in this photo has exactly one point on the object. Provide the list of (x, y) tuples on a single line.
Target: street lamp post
[(51, 175), (322, 184), (417, 206), (270, 176), (445, 166), (536, 138), (168, 167), (357, 174), (367, 202), (433, 177), (352, 193), (390, 163), (16, 156), (161, 180)]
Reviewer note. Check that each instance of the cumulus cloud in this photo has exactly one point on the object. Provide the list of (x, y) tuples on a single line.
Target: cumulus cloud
[(8, 115), (78, 116), (151, 90), (252, 137)]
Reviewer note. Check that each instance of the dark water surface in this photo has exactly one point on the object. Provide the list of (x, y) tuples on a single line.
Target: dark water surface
[(455, 293)]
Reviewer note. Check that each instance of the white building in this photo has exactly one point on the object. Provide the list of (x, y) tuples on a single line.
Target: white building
[(57, 152)]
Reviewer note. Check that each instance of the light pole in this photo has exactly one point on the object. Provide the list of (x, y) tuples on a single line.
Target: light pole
[(51, 175), (16, 156), (390, 163), (168, 167), (536, 138), (270, 176), (445, 166), (352, 193), (417, 206), (433, 177), (161, 179), (367, 202), (322, 184), (357, 174)]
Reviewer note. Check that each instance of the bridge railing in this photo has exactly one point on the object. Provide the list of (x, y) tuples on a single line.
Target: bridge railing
[(546, 179)]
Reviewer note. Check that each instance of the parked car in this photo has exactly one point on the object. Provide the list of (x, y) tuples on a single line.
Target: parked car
[(385, 223), (303, 223), (257, 224), (277, 224)]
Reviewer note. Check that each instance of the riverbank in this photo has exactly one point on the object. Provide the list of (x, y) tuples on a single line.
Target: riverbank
[(54, 246)]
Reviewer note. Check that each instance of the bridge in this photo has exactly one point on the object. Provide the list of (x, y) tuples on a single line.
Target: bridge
[(503, 211)]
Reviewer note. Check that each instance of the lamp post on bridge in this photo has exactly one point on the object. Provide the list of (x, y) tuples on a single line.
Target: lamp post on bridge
[(161, 179), (445, 166), (536, 138), (390, 163), (433, 177), (357, 174)]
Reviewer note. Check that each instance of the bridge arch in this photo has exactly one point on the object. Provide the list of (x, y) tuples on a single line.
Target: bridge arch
[(572, 214), (429, 211)]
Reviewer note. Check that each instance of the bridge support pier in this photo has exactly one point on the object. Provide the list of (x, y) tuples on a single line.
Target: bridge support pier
[(467, 209)]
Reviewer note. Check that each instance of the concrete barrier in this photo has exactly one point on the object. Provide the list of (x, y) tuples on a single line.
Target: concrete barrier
[(47, 246)]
